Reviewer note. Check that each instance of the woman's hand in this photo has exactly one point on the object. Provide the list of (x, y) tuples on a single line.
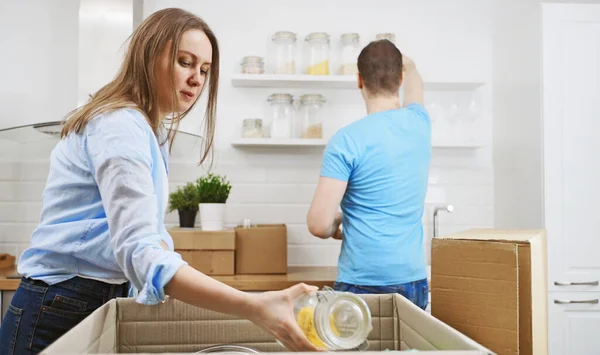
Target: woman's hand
[(274, 312)]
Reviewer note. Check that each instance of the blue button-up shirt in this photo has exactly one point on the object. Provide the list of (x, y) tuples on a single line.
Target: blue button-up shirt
[(103, 209)]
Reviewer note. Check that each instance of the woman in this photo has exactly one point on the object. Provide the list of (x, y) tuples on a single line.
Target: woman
[(103, 206)]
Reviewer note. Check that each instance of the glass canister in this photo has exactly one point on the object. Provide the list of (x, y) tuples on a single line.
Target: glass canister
[(281, 115), (283, 53), (389, 36), (253, 65), (310, 118), (349, 51), (317, 53), (252, 128), (334, 320)]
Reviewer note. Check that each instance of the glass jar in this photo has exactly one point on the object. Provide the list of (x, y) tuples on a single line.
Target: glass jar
[(389, 36), (253, 65), (317, 53), (309, 114), (283, 53), (252, 128), (349, 51), (281, 115), (334, 320)]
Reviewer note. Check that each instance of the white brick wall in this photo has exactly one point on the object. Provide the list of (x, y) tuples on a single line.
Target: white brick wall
[(266, 192)]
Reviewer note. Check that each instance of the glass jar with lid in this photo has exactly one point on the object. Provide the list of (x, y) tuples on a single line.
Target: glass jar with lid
[(317, 53), (349, 51), (387, 35), (310, 120), (283, 53), (252, 128), (334, 320), (281, 115), (253, 65)]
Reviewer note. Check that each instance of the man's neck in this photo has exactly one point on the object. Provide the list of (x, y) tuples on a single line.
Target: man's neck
[(379, 104)]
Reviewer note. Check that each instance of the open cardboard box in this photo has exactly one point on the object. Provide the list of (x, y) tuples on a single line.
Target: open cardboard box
[(490, 284), (123, 326)]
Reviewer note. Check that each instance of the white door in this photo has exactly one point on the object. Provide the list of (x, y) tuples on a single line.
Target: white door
[(571, 111)]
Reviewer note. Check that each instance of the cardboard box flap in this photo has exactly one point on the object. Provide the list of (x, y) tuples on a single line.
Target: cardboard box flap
[(491, 285), (429, 333), (96, 334), (518, 235), (475, 289)]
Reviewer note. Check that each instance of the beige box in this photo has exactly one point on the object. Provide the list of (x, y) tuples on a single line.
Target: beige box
[(123, 326), (212, 253), (491, 286), (253, 244)]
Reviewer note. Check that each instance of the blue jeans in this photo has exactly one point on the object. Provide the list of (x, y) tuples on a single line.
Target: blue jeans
[(417, 292), (39, 314)]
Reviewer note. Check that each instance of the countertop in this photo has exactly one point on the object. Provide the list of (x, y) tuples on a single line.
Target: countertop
[(315, 276)]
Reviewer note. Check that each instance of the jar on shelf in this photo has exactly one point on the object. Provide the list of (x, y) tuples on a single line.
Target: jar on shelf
[(253, 65), (252, 128), (283, 53), (309, 116), (334, 320), (389, 36), (349, 51), (281, 115), (317, 53)]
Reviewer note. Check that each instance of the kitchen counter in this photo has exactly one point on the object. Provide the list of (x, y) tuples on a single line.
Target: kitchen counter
[(316, 276)]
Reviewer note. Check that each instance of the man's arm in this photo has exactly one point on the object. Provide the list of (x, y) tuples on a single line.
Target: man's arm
[(323, 219), (412, 82)]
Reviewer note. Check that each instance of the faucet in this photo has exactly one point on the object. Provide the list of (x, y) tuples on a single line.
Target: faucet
[(436, 209)]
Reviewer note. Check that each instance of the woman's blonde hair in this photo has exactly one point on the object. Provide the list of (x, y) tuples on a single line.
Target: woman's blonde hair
[(134, 85)]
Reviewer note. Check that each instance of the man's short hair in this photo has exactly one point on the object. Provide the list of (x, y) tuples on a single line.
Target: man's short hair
[(380, 66)]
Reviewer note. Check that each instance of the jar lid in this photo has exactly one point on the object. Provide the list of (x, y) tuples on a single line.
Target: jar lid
[(317, 36), (350, 37), (286, 98), (284, 35), (344, 321), (312, 98), (253, 122), (387, 35), (252, 60)]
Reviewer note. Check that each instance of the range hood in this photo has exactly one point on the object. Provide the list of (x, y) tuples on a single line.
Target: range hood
[(103, 28)]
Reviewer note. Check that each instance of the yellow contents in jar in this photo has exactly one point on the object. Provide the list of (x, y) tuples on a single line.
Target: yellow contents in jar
[(319, 68), (306, 321)]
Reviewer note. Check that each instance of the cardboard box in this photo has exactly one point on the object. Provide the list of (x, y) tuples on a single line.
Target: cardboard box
[(212, 253), (122, 326), (253, 244), (491, 286)]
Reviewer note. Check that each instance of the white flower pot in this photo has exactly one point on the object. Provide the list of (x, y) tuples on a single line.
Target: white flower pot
[(212, 216)]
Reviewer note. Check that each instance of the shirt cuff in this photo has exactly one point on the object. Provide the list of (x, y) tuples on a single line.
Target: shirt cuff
[(153, 290)]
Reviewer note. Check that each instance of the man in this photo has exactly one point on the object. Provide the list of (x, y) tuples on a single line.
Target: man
[(377, 168)]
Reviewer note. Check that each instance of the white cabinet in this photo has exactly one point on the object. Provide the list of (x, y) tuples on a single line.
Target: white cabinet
[(571, 113), (574, 322)]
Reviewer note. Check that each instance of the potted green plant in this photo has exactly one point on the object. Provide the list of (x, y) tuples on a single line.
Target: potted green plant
[(185, 200), (213, 192)]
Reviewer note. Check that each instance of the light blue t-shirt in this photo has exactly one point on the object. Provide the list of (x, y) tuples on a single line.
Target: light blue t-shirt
[(385, 159)]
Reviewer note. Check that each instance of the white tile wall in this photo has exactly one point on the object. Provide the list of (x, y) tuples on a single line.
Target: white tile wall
[(276, 185)]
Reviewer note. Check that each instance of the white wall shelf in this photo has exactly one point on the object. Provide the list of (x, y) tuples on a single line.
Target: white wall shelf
[(279, 142), (299, 142), (328, 82)]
